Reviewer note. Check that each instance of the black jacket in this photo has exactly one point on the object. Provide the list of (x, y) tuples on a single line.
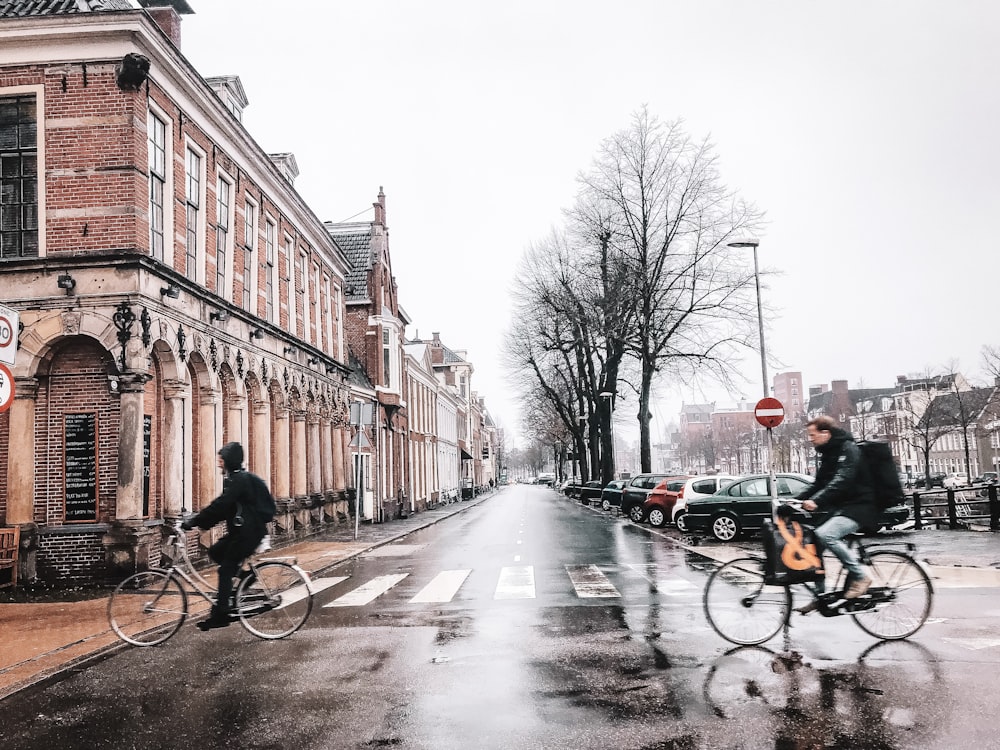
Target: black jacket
[(242, 493), (842, 486)]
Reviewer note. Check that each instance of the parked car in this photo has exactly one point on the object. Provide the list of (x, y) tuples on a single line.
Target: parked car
[(937, 480), (547, 477), (611, 496), (659, 505), (589, 491), (955, 479), (635, 492), (570, 487), (987, 477), (744, 504), (694, 488)]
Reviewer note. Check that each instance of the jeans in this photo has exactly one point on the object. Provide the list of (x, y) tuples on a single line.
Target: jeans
[(831, 534)]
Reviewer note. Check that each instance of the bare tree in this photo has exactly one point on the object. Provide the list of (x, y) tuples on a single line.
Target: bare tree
[(670, 221)]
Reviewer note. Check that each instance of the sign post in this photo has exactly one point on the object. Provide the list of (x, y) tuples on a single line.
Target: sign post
[(769, 412), (9, 324)]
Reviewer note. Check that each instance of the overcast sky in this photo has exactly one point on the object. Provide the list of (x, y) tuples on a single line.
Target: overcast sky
[(867, 132)]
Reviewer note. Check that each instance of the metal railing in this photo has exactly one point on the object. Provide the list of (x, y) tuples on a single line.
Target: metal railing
[(957, 507)]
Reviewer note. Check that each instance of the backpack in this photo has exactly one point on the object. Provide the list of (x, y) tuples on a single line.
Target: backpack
[(882, 473)]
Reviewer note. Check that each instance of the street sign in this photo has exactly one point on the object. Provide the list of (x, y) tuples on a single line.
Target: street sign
[(769, 412), (6, 388), (9, 319)]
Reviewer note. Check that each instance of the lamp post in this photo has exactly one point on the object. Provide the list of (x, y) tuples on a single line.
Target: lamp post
[(607, 395), (763, 359)]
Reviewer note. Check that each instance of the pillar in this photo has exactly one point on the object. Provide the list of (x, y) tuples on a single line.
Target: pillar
[(298, 454), (175, 393), (21, 475), (280, 454)]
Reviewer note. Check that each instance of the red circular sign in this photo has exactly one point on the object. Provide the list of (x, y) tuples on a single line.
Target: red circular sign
[(769, 412), (6, 388)]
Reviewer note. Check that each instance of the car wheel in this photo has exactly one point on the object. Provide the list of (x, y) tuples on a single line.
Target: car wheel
[(636, 514), (657, 518), (725, 527), (605, 505), (681, 521)]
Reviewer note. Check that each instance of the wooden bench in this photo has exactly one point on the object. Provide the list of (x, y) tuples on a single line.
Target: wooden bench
[(10, 537)]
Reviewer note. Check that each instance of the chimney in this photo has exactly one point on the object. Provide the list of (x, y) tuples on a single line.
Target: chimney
[(167, 15), (380, 208), (838, 386), (900, 379)]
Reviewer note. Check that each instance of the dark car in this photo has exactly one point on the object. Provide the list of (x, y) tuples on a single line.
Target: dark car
[(611, 496), (637, 490), (743, 506), (937, 480), (589, 491)]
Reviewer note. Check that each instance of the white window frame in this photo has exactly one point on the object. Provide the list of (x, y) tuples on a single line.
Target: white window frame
[(251, 230), (224, 221), (290, 273), (197, 203), (302, 265), (38, 91), (271, 285), (154, 114)]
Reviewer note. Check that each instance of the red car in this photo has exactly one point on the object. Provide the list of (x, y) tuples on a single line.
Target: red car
[(659, 506)]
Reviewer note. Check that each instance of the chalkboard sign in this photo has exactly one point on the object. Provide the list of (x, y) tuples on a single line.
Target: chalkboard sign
[(147, 432), (80, 449)]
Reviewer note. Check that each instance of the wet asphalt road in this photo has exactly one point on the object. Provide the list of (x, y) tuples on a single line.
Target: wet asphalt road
[(531, 622)]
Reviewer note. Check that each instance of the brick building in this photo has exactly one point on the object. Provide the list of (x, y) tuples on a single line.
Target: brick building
[(174, 289)]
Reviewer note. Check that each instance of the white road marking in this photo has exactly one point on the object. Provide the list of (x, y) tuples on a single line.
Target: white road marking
[(590, 582), (442, 587), (298, 593), (674, 586), (368, 592), (974, 644), (394, 550), (516, 582)]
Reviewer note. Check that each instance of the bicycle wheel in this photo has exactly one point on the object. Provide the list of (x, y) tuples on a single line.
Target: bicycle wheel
[(741, 607), (147, 608), (901, 595), (274, 601)]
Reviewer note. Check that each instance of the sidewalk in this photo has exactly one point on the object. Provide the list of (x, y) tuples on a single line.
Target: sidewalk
[(41, 638)]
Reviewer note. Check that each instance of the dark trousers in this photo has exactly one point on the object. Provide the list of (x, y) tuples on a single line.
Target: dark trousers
[(228, 553)]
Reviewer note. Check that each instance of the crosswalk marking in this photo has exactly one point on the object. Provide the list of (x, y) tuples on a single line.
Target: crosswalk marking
[(516, 582), (368, 592), (298, 593), (590, 583), (442, 587), (673, 586)]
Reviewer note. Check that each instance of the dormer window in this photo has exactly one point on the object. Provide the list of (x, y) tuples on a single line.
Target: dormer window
[(230, 91)]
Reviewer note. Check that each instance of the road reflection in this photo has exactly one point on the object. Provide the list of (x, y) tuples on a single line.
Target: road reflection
[(891, 696)]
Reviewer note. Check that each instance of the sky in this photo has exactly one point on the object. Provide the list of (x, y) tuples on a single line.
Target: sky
[(865, 130)]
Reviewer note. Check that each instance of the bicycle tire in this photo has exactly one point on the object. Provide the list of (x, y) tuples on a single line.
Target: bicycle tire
[(147, 608), (740, 607), (909, 605), (274, 601)]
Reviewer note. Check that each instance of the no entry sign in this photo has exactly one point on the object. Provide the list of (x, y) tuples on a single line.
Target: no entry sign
[(6, 388), (769, 412)]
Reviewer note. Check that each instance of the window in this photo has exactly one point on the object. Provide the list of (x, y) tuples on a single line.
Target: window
[(192, 202), (300, 293), (270, 238), (223, 206), (290, 274), (385, 357), (18, 177), (157, 183), (249, 249)]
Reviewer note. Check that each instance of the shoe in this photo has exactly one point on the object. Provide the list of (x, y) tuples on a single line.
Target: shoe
[(215, 620), (810, 606), (857, 588)]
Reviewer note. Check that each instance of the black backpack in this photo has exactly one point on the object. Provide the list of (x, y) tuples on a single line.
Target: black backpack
[(882, 473)]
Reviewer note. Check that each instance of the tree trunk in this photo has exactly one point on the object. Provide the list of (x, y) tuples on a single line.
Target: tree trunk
[(645, 417)]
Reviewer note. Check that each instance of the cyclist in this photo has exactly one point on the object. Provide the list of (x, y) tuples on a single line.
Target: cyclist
[(245, 505), (841, 487)]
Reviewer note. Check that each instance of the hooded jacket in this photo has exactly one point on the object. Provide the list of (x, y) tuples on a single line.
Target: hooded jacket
[(243, 494), (842, 486)]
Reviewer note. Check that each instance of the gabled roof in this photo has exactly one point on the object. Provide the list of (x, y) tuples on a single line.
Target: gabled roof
[(947, 409), (357, 376), (355, 240), (17, 8)]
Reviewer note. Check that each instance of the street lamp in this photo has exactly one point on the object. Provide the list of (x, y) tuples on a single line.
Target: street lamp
[(763, 360), (760, 310), (611, 421)]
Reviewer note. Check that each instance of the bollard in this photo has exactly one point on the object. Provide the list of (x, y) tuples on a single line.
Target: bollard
[(952, 510), (994, 508), (918, 522)]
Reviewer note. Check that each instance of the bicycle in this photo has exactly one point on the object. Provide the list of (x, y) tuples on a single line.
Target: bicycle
[(745, 607), (272, 600)]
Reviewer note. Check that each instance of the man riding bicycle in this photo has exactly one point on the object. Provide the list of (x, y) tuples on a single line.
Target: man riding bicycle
[(843, 488), (245, 505)]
